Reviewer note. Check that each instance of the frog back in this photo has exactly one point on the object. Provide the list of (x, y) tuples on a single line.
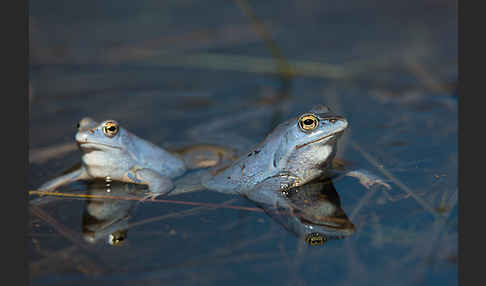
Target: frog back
[(153, 157), (243, 174)]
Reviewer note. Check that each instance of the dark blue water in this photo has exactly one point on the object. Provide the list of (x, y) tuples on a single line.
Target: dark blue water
[(102, 59)]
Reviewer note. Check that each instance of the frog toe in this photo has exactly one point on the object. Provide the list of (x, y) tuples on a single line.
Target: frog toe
[(150, 197)]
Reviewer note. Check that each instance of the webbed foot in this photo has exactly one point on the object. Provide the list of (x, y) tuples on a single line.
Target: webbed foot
[(157, 184), (150, 197), (369, 180)]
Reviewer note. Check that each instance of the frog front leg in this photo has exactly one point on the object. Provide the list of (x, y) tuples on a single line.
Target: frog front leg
[(78, 174), (367, 179), (158, 184)]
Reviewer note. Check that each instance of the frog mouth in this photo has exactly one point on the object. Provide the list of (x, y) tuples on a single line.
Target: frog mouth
[(319, 139), (88, 146)]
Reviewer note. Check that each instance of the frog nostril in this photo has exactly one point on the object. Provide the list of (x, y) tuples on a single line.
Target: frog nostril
[(82, 138)]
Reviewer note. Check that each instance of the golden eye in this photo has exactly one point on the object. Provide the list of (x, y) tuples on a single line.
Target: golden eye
[(110, 128), (308, 122), (315, 239)]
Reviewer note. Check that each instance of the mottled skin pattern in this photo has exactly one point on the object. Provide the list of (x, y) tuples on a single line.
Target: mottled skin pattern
[(288, 157), (113, 153)]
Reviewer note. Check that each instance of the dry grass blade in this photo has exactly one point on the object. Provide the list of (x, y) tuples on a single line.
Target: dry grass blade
[(364, 200), (429, 81), (224, 62), (184, 213), (61, 229), (248, 64), (283, 67), (82, 262), (224, 205), (210, 205), (65, 259), (186, 41), (42, 155), (226, 251), (433, 246)]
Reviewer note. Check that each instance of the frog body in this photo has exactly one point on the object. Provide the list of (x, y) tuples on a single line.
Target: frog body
[(295, 152), (111, 152)]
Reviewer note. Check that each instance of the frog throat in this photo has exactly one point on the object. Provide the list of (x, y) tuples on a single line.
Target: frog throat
[(318, 140), (93, 145)]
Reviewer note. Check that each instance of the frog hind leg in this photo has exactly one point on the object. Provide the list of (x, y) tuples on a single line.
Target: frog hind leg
[(205, 155), (75, 175), (158, 184), (190, 182)]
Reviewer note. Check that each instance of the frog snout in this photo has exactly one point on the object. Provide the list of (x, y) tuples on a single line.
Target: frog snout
[(338, 121), (344, 122), (81, 137)]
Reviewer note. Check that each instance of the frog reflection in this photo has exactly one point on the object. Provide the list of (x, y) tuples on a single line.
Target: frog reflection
[(107, 219), (313, 212)]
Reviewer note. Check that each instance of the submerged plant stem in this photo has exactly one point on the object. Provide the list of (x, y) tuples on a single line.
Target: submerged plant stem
[(284, 69)]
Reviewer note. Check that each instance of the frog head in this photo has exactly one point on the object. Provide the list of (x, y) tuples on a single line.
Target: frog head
[(305, 145), (105, 136), (106, 147)]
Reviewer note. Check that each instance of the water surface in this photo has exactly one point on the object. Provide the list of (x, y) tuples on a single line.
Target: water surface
[(180, 72)]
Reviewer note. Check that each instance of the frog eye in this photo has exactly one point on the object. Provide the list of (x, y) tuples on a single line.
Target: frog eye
[(308, 122), (315, 239), (110, 128)]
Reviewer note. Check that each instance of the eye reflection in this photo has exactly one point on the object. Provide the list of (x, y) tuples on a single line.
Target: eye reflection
[(316, 239)]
